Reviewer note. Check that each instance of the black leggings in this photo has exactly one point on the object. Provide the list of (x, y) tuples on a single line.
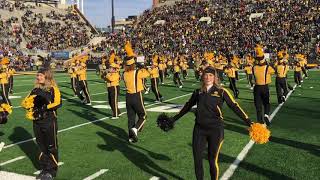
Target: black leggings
[(214, 138)]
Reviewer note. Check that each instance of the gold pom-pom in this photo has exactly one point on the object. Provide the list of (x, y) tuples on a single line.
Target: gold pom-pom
[(259, 133), (128, 49), (29, 114), (27, 103), (6, 107)]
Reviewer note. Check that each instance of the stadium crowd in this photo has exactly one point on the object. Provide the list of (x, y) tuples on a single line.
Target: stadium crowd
[(234, 27)]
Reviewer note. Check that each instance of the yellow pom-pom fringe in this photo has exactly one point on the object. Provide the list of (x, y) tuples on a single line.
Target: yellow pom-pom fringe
[(5, 107), (27, 103), (259, 133), (29, 114)]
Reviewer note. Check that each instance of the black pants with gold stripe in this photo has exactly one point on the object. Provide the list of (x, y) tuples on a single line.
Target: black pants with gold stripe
[(201, 137), (176, 79), (83, 87), (297, 77), (135, 107), (74, 85), (45, 131), (261, 100), (250, 79), (161, 74), (281, 88), (233, 87), (155, 89), (5, 93), (11, 84), (113, 96)]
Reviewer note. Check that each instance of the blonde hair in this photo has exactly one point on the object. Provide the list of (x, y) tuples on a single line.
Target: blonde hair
[(49, 81), (216, 82)]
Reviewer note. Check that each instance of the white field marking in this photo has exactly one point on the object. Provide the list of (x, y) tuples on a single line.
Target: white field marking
[(97, 120), (229, 172), (12, 160), (62, 87), (154, 178), (38, 172), (14, 97), (14, 176), (56, 77), (97, 174), (68, 98)]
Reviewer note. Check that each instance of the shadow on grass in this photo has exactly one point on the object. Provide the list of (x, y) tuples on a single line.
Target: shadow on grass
[(133, 152), (313, 149), (30, 149)]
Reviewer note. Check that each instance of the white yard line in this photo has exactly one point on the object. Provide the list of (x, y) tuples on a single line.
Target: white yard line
[(87, 123), (12, 160), (97, 174), (154, 178), (38, 172), (229, 172), (14, 176)]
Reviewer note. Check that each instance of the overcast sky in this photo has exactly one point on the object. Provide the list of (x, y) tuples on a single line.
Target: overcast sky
[(99, 11)]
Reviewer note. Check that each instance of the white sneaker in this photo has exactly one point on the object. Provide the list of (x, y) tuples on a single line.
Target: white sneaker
[(299, 86), (89, 104), (147, 92), (162, 83), (301, 80), (180, 87), (134, 132), (251, 88), (1, 146), (130, 140), (115, 117), (306, 77)]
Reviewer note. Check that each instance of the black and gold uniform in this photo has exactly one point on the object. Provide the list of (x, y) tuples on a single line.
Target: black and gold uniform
[(209, 126), (154, 76), (11, 72), (297, 73), (81, 72), (303, 63), (184, 67), (162, 70), (231, 73), (262, 74), (73, 78), (133, 79), (112, 79), (281, 81), (4, 76), (45, 128), (248, 71), (176, 75), (169, 68)]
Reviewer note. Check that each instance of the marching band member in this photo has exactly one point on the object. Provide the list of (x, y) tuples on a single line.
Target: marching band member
[(282, 69), (154, 76), (113, 78), (11, 72), (134, 101), (81, 71), (262, 74)]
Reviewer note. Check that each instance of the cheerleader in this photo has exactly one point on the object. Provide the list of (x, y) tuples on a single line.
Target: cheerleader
[(209, 129), (45, 122)]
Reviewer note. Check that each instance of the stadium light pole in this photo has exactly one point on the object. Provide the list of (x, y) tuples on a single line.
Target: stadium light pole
[(112, 17)]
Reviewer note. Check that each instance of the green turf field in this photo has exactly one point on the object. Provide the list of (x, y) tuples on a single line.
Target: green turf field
[(101, 143)]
